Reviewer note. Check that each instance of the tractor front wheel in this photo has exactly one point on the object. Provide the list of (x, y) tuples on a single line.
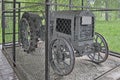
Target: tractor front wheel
[(62, 57)]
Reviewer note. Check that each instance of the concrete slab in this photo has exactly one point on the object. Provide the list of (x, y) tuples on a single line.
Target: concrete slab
[(6, 71), (87, 70), (33, 65), (112, 75)]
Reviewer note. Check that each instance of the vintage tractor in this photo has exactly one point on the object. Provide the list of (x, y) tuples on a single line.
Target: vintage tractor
[(73, 35)]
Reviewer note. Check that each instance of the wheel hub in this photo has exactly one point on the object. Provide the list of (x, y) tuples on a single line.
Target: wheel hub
[(60, 56)]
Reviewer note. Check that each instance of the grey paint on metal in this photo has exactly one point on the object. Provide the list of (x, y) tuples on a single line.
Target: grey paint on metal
[(77, 29)]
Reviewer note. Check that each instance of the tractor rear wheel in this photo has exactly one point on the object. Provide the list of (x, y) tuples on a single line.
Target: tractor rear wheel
[(100, 49)]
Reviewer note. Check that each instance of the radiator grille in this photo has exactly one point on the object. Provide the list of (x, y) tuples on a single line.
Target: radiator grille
[(63, 25)]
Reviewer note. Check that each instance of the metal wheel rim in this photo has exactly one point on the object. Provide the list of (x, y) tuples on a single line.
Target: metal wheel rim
[(101, 54), (58, 67)]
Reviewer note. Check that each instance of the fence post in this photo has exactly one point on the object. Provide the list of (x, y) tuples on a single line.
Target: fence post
[(19, 14), (47, 8), (3, 24), (70, 4), (82, 4), (14, 31)]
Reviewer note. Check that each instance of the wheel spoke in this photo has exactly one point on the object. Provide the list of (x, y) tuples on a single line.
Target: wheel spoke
[(66, 66), (59, 69), (100, 57), (101, 42), (62, 54), (92, 56), (100, 49), (96, 39)]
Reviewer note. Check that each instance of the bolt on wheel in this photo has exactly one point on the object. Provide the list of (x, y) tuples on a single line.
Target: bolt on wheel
[(61, 56), (100, 49)]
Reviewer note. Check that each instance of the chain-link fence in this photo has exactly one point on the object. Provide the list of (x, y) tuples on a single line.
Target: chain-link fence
[(30, 29)]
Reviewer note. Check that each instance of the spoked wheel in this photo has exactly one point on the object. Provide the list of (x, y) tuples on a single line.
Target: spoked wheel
[(100, 49), (62, 57)]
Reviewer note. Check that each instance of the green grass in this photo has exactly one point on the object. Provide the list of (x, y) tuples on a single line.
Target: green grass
[(8, 29), (111, 31)]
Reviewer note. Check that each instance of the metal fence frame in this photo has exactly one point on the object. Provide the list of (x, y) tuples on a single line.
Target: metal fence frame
[(12, 62), (47, 11)]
